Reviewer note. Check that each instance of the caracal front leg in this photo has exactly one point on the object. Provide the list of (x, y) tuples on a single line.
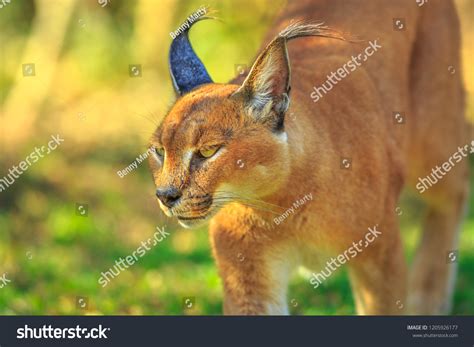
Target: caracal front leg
[(254, 274)]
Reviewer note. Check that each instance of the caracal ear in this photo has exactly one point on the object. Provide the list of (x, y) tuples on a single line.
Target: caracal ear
[(266, 90)]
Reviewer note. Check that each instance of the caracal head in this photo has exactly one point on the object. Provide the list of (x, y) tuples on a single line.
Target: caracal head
[(209, 152)]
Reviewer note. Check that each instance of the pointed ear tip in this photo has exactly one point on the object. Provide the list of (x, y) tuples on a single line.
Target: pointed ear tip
[(201, 18), (191, 24)]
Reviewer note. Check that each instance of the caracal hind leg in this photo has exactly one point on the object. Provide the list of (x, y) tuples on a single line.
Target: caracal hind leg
[(438, 129), (433, 274)]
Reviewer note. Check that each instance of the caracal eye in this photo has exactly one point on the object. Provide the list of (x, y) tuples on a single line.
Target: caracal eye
[(160, 151), (208, 152)]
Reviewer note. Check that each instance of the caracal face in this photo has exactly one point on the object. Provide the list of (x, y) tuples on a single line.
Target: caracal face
[(209, 152)]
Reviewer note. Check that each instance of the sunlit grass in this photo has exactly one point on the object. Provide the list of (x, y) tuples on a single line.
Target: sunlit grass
[(67, 262)]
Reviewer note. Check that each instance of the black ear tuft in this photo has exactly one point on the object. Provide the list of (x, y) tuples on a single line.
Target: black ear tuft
[(187, 70)]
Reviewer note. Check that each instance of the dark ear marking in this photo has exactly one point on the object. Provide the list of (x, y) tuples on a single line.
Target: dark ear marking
[(186, 69)]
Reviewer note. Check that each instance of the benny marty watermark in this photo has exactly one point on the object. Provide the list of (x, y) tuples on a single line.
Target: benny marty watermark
[(134, 165), (296, 205), (187, 24)]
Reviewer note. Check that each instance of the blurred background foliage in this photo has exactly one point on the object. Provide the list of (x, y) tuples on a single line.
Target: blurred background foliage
[(82, 90)]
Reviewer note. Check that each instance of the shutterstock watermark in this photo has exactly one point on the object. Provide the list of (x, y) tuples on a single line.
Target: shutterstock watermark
[(16, 171), (352, 252), (344, 71), (4, 280), (438, 172), (110, 274), (4, 3), (48, 332)]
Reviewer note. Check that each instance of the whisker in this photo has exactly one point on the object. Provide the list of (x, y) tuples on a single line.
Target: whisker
[(243, 200), (252, 206), (252, 203), (221, 201), (156, 124), (253, 199)]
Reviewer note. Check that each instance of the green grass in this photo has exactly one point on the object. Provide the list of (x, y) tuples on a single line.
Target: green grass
[(69, 252)]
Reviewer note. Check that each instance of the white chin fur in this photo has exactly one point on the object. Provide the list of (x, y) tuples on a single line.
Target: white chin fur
[(283, 137), (184, 224), (191, 224)]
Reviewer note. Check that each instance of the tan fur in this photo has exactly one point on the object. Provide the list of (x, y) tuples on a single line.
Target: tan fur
[(259, 173)]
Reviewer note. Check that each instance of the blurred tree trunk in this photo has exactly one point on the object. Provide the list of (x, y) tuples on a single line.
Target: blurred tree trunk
[(150, 46), (152, 25), (23, 104)]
